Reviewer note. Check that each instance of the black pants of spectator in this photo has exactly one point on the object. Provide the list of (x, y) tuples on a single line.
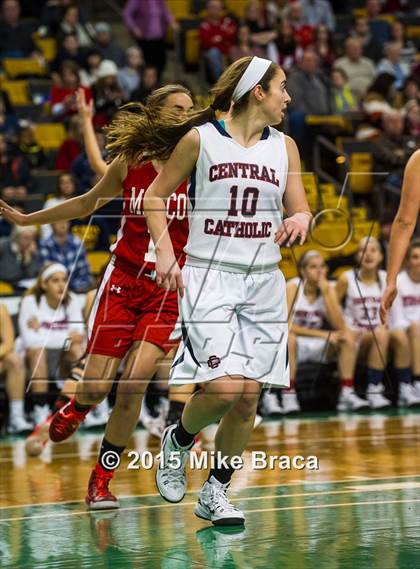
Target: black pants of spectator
[(154, 52)]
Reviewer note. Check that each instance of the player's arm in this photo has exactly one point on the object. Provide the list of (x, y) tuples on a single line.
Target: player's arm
[(179, 166), (81, 206), (299, 215), (7, 332), (86, 112), (402, 229), (341, 288), (332, 306)]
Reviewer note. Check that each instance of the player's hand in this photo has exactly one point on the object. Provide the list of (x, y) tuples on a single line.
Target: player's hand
[(387, 300), (85, 110), (168, 273), (12, 215), (33, 323), (292, 228)]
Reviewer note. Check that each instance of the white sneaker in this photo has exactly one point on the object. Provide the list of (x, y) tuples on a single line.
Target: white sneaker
[(98, 417), (416, 386), (40, 413), (375, 398), (154, 425), (213, 505), (290, 403), (408, 395), (350, 401), (18, 425), (171, 480), (270, 404)]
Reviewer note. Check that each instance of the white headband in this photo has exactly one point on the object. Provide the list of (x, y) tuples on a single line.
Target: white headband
[(55, 268), (252, 76)]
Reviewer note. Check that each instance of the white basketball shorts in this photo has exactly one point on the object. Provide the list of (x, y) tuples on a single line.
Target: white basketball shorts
[(311, 349), (232, 324)]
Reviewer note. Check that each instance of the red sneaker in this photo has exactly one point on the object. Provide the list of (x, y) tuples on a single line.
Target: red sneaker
[(98, 496), (37, 440), (66, 422)]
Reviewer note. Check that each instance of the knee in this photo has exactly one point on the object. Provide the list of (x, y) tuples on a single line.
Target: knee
[(348, 340), (246, 406), (399, 339), (12, 360), (414, 330), (382, 336), (226, 400), (96, 390)]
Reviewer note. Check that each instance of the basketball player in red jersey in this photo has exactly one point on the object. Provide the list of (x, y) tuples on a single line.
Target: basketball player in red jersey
[(130, 316)]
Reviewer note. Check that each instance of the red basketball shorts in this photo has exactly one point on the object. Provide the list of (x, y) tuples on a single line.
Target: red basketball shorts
[(128, 309)]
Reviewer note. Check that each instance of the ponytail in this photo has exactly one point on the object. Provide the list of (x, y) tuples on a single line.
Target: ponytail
[(141, 133)]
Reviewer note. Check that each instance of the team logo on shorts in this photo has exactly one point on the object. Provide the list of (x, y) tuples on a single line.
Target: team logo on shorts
[(213, 362)]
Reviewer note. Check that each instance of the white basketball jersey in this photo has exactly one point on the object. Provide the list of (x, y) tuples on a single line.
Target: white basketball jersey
[(235, 198), (406, 308), (362, 301), (308, 314)]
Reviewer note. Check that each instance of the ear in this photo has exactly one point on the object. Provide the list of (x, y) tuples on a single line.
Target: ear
[(258, 93)]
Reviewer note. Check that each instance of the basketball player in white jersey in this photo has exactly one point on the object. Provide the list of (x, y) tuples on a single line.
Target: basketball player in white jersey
[(404, 323), (402, 229), (232, 296), (312, 304), (362, 288)]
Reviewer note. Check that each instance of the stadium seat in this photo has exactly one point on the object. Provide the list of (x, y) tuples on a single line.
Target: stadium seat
[(5, 288), (25, 67), (237, 7), (47, 46), (50, 135), (18, 91), (45, 181), (192, 47), (179, 8), (97, 260)]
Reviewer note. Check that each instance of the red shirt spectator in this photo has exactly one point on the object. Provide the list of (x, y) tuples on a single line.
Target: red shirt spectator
[(217, 31), (62, 96), (71, 147)]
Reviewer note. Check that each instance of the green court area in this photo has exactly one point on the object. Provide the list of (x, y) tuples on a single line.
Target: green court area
[(347, 524)]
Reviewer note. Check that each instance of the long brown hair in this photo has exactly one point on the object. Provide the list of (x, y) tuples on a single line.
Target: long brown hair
[(38, 291), (152, 132)]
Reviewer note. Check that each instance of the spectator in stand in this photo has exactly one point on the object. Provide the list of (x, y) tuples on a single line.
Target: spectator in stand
[(14, 370), (9, 126), (303, 33), (63, 99), (342, 98), (410, 90), (244, 45), (379, 100), (380, 29), (284, 50), (393, 64), (62, 247), (148, 83), (412, 120), (69, 50), (106, 46), (52, 16), (148, 21), (391, 152), (52, 332), (72, 23), (276, 10), (129, 77), (15, 178), (29, 149), (65, 189), (324, 48), (358, 69), (217, 36), (71, 147), (92, 62), (408, 49), (107, 93), (318, 12), (261, 33), (306, 87), (372, 48), (19, 257), (15, 36)]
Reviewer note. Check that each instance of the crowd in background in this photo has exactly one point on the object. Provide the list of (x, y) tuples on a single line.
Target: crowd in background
[(369, 70)]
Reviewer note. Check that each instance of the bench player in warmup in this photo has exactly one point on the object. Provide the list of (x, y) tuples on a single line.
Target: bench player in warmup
[(130, 315), (233, 305)]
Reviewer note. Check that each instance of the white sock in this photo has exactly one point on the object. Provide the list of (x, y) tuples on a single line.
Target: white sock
[(16, 408)]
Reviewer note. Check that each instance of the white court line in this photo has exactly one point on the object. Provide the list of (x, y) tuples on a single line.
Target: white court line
[(349, 490), (257, 486), (183, 504)]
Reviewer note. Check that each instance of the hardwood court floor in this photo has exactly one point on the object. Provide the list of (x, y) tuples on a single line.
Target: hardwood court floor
[(360, 510)]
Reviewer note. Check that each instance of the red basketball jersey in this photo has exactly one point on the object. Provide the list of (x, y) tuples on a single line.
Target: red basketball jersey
[(134, 245)]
